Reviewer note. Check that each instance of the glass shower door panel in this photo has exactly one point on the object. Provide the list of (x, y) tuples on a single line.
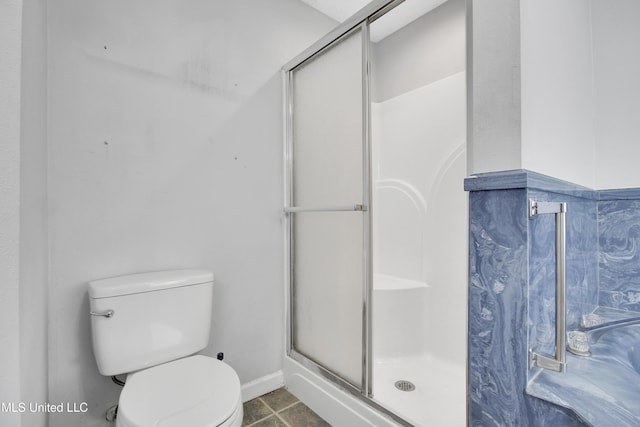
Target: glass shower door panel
[(327, 182), (327, 279), (327, 126)]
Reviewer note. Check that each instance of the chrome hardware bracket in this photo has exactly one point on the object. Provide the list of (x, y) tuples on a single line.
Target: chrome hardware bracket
[(541, 208), (107, 314), (558, 362), (537, 360)]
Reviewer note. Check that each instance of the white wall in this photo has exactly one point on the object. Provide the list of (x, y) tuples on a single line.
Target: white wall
[(558, 98), (10, 67), (33, 213), (494, 95), (579, 90), (165, 152), (616, 37), (533, 96)]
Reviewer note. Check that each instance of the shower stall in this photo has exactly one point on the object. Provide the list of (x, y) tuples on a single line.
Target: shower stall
[(375, 125)]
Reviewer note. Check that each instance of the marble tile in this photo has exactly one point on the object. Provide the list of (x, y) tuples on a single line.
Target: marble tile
[(279, 399), (619, 194), (497, 306), (603, 388), (500, 273), (619, 262), (299, 415), (512, 299), (522, 178), (504, 180), (581, 267)]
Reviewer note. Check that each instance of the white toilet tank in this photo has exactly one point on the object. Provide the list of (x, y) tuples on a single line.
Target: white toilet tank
[(143, 320)]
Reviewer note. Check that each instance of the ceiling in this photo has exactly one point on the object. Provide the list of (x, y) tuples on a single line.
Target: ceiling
[(402, 15), (339, 10)]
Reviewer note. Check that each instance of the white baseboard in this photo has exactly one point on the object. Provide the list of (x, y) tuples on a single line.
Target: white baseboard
[(262, 385)]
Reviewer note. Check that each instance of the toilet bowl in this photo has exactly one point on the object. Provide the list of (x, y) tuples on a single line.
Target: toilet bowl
[(150, 326), (194, 391)]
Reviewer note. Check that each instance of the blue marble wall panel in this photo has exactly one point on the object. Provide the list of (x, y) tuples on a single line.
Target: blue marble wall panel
[(581, 267), (512, 283), (522, 178), (497, 306), (619, 261), (498, 303), (582, 259)]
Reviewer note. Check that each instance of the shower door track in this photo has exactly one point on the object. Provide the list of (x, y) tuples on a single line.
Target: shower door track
[(360, 20), (354, 391)]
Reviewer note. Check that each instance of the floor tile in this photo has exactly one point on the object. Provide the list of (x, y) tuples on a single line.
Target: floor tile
[(279, 399), (272, 421), (254, 410), (299, 415)]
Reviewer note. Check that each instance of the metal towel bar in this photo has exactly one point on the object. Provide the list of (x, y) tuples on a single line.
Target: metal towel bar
[(558, 362), (349, 208)]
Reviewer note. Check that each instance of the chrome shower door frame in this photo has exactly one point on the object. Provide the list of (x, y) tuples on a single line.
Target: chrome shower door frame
[(289, 209), (358, 22)]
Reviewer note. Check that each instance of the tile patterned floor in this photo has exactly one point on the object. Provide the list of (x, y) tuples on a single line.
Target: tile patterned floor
[(280, 409)]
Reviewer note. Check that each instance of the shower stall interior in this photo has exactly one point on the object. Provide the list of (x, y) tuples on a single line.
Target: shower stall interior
[(375, 124)]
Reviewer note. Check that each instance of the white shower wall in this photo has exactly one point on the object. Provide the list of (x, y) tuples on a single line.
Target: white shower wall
[(419, 225)]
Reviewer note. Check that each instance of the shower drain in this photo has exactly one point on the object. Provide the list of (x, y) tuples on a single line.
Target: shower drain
[(405, 385)]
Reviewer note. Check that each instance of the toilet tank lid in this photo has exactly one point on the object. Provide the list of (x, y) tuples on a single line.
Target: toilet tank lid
[(147, 282)]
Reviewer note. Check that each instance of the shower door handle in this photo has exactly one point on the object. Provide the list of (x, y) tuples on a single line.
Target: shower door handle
[(558, 362), (349, 208)]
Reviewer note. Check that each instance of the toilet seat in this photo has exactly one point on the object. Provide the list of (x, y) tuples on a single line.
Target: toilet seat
[(196, 391)]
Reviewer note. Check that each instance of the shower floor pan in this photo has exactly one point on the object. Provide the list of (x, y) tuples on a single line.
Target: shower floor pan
[(439, 395), (402, 336)]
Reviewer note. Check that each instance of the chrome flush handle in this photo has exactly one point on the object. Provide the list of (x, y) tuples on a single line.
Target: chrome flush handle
[(107, 313)]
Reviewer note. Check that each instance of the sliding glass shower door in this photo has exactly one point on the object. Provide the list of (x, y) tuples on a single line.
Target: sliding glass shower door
[(376, 216), (327, 199)]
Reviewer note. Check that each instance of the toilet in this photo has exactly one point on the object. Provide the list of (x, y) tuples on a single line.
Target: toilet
[(149, 326)]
